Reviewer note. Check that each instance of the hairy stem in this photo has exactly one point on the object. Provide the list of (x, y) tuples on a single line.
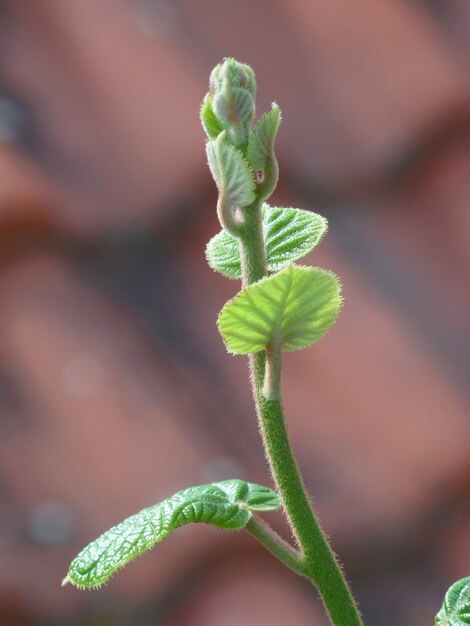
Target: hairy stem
[(269, 538), (252, 250), (319, 563)]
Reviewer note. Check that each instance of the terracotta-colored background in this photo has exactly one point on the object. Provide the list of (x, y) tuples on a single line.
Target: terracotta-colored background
[(115, 389)]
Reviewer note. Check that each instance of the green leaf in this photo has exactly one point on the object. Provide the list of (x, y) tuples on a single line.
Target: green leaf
[(227, 504), (223, 255), (289, 234), (291, 309), (261, 145), (209, 120), (455, 610), (231, 173), (260, 152)]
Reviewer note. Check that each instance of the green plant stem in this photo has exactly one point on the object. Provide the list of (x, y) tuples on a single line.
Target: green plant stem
[(253, 264), (252, 250), (319, 562), (269, 538)]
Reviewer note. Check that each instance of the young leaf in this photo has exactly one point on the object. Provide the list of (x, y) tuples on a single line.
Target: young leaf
[(227, 504), (455, 610), (289, 234), (223, 255), (291, 309), (209, 120), (261, 145), (231, 173), (234, 107), (260, 152)]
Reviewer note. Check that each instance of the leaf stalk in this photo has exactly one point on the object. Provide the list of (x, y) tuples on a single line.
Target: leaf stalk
[(282, 550)]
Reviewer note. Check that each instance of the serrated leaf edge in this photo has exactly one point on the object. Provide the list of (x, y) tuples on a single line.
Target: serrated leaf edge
[(257, 129), (222, 138), (271, 267)]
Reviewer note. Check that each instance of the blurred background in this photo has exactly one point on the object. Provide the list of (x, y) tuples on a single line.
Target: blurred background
[(115, 389)]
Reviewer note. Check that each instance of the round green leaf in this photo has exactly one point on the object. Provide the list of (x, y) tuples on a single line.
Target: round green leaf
[(223, 255), (291, 309), (289, 235), (227, 504), (455, 610)]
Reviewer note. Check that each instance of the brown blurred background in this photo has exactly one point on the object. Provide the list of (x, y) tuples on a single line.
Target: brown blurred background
[(114, 387)]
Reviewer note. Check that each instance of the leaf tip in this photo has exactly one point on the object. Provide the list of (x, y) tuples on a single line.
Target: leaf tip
[(275, 107), (65, 581)]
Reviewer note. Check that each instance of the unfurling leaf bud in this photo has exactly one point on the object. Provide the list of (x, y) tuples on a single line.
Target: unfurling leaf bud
[(234, 180), (232, 100), (240, 152), (260, 152), (235, 73)]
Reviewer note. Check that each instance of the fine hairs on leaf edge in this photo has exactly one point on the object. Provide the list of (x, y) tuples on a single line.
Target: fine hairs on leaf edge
[(222, 250), (292, 268)]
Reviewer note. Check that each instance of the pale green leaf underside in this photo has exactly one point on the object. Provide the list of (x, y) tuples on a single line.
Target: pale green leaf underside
[(232, 175), (291, 310), (289, 234), (227, 504), (211, 124), (455, 610)]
